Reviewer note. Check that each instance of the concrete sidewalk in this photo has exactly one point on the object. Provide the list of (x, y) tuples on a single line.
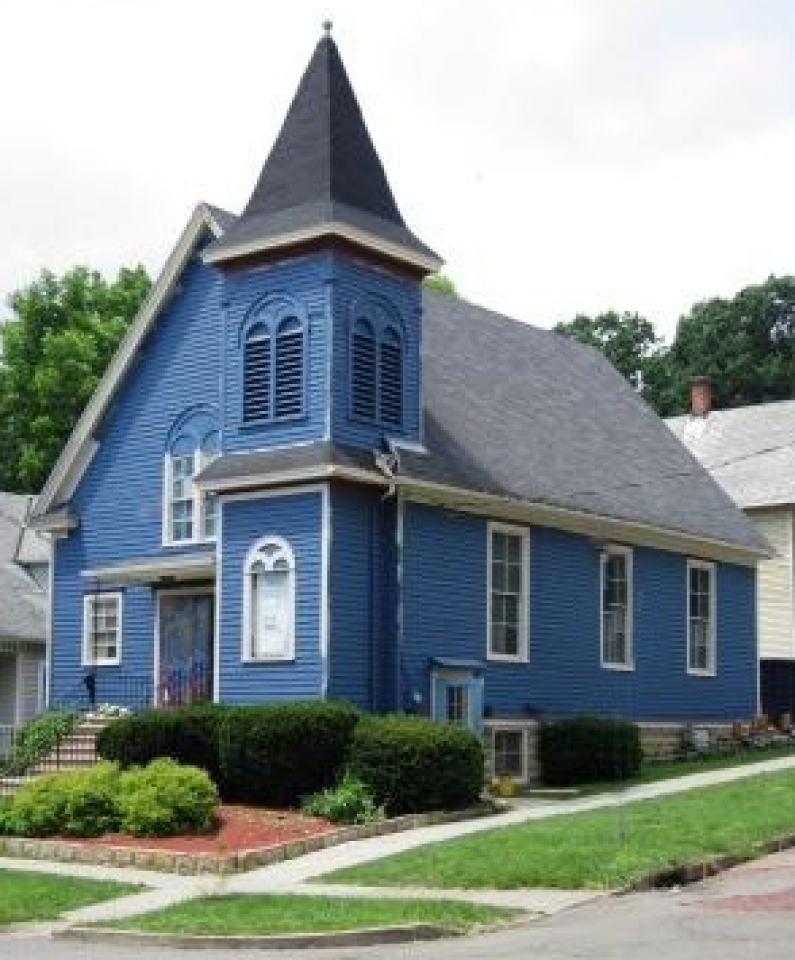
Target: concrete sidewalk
[(292, 876)]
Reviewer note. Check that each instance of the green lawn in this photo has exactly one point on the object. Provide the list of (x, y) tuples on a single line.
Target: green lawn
[(261, 915), (41, 896), (590, 850)]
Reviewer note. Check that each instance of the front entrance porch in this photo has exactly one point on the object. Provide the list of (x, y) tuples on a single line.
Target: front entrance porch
[(184, 647)]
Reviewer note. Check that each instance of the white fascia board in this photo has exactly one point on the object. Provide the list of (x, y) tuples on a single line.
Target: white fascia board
[(334, 228), (65, 474)]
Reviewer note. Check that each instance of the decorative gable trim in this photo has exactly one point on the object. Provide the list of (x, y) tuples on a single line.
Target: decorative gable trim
[(77, 453)]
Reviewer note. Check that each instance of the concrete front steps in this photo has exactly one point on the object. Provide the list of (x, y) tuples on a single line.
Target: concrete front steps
[(75, 752)]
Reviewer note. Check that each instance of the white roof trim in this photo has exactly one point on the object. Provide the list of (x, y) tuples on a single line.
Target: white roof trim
[(190, 566), (332, 228), (612, 529), (68, 469)]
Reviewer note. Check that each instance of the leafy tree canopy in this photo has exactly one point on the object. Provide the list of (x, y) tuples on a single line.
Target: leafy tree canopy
[(441, 283), (53, 349)]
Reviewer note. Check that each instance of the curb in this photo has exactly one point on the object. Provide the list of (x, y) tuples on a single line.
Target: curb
[(696, 871), (368, 936), (196, 864)]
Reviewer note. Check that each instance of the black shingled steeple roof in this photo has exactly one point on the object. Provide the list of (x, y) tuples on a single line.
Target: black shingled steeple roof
[(323, 176)]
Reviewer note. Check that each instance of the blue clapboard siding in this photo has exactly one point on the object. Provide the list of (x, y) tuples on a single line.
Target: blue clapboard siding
[(305, 281), (444, 615), (362, 595), (353, 281), (298, 519), (119, 500)]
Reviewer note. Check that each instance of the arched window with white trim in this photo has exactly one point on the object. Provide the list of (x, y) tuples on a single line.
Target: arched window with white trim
[(189, 516), (269, 601)]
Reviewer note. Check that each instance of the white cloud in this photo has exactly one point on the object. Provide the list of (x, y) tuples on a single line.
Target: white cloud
[(563, 156)]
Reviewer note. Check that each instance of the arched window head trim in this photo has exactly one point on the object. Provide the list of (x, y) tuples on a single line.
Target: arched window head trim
[(270, 311), (269, 602)]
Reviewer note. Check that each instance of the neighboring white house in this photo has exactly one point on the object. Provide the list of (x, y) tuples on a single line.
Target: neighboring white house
[(24, 564), (750, 451)]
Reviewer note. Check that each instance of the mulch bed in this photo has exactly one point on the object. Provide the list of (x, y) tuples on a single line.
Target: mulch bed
[(239, 828)]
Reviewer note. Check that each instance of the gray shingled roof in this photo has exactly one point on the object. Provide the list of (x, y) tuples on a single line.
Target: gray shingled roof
[(22, 601), (522, 412), (750, 451), (323, 168)]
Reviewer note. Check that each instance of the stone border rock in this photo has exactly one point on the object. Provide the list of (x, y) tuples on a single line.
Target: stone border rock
[(364, 937), (698, 870), (168, 861)]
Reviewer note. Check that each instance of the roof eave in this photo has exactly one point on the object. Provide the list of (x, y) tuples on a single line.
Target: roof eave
[(334, 228)]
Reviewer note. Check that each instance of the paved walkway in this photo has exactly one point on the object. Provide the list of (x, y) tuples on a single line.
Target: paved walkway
[(293, 876)]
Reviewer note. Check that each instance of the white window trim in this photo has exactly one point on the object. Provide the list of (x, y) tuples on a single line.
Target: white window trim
[(712, 669), (613, 550), (523, 655), (200, 460), (499, 726), (246, 653), (88, 599)]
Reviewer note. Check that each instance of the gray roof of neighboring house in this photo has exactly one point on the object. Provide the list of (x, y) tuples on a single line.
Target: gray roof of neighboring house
[(23, 606), (522, 412), (322, 169), (750, 451)]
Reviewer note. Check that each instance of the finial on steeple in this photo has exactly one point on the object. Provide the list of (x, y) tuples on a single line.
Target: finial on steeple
[(327, 27)]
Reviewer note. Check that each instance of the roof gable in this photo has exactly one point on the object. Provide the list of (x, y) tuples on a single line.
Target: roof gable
[(78, 449)]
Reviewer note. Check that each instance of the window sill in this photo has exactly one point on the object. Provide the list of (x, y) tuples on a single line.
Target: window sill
[(505, 658), (101, 663), (619, 667), (264, 661), (171, 544), (691, 672)]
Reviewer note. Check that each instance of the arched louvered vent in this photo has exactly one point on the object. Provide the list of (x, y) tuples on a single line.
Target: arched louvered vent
[(390, 372), (257, 373), (289, 379), (363, 371)]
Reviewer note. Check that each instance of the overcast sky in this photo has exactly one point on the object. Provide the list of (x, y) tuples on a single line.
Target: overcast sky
[(562, 155)]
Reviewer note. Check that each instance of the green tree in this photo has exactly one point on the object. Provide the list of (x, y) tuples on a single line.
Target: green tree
[(628, 340), (440, 283), (54, 347), (746, 344)]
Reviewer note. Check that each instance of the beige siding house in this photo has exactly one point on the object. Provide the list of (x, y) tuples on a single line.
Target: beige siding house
[(750, 451), (24, 565)]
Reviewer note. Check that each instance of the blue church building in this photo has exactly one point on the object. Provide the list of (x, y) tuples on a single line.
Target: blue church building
[(305, 474)]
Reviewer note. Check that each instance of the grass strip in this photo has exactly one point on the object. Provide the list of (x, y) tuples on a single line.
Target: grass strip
[(28, 896), (604, 848), (253, 915)]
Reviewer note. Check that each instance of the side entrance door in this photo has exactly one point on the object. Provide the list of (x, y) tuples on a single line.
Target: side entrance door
[(185, 647), (458, 699)]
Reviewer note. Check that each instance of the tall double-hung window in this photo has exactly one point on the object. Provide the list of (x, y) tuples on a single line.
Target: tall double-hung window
[(189, 515), (616, 566), (274, 363), (507, 589), (376, 367), (700, 617)]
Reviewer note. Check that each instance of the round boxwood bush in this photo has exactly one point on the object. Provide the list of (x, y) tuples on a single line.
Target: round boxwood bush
[(166, 799), (588, 750), (277, 754), (411, 765)]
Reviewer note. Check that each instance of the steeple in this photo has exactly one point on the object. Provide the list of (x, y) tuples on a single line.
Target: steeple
[(323, 178)]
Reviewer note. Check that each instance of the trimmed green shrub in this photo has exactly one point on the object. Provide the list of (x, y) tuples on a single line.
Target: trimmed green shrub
[(37, 738), (77, 804), (277, 754), (186, 734), (348, 802), (411, 764), (165, 799), (588, 750)]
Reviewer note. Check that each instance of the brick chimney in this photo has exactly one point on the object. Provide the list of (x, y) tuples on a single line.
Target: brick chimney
[(700, 396)]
